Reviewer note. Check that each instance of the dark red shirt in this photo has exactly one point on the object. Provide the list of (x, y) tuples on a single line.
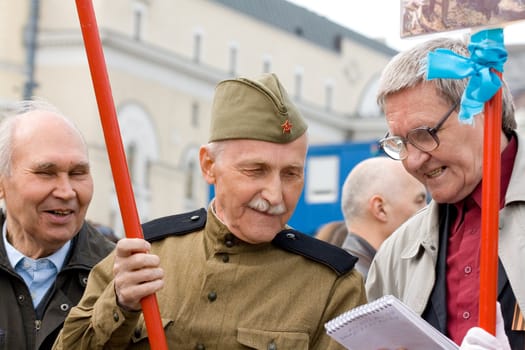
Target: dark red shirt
[(463, 254)]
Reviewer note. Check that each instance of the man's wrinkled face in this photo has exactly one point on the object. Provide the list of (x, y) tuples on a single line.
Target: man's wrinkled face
[(454, 168), (49, 186), (257, 185)]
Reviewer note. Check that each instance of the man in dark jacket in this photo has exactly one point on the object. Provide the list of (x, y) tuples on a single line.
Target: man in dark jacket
[(47, 248)]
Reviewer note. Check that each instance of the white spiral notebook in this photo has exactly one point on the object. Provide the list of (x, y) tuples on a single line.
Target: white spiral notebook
[(386, 324)]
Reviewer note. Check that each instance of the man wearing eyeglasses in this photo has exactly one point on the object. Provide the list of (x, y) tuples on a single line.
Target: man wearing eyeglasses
[(432, 261)]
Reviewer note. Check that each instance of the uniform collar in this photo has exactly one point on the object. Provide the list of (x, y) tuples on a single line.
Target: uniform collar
[(218, 239)]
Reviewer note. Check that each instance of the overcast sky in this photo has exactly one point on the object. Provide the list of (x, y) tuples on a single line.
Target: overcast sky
[(364, 17)]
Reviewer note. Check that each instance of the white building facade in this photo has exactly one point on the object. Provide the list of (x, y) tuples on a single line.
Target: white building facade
[(164, 58)]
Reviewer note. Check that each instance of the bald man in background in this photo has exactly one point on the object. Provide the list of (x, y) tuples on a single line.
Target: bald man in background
[(378, 196)]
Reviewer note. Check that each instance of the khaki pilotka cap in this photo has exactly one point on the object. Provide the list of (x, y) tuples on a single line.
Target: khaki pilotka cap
[(257, 109)]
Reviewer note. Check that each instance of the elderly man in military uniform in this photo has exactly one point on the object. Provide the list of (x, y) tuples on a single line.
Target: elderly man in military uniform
[(235, 276)]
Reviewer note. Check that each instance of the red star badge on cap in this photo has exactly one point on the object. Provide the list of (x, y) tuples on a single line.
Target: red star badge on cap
[(287, 127)]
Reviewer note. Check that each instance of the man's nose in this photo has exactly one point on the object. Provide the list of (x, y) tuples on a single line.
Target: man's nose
[(63, 187), (273, 191), (415, 157)]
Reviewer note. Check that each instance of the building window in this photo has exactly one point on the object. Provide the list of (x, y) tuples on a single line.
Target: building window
[(298, 83), (191, 177), (233, 59), (140, 143), (131, 158), (189, 192), (328, 95), (267, 64), (322, 179), (147, 173), (137, 22), (195, 114), (197, 47), (367, 106), (139, 16), (338, 40)]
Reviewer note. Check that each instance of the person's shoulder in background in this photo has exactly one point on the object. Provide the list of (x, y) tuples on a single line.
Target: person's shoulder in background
[(333, 232)]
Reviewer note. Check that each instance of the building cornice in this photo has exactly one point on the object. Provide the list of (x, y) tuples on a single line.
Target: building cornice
[(342, 122), (139, 50), (166, 60)]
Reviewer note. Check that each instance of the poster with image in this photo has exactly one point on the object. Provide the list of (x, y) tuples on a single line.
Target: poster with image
[(420, 17)]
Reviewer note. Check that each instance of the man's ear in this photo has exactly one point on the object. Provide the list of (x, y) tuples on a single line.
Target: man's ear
[(207, 163), (376, 205)]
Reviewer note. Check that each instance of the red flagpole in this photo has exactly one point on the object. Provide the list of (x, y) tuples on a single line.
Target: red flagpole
[(117, 157), (490, 203)]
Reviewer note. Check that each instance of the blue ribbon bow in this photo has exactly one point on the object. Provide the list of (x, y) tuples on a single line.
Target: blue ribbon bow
[(487, 52)]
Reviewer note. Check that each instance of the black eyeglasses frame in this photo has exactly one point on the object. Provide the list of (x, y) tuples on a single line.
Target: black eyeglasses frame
[(405, 140)]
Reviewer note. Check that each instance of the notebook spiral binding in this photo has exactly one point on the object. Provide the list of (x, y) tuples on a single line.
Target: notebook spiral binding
[(358, 312)]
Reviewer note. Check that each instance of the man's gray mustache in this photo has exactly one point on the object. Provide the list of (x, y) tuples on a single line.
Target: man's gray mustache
[(263, 206)]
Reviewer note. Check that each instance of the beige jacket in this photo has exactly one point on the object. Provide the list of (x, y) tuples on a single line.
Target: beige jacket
[(220, 296), (405, 264)]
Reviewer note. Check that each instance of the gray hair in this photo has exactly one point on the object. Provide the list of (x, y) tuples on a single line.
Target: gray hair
[(408, 69), (10, 120), (215, 148)]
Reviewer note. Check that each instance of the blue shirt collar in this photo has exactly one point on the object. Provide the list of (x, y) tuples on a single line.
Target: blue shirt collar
[(58, 258)]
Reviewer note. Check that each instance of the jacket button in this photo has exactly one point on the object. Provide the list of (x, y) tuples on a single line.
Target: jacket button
[(115, 316), (64, 307), (229, 240), (290, 235), (225, 258), (272, 345), (200, 347), (21, 299), (195, 218), (83, 281), (138, 332), (212, 296)]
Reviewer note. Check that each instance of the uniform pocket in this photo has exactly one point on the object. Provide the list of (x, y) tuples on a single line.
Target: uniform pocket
[(270, 340)]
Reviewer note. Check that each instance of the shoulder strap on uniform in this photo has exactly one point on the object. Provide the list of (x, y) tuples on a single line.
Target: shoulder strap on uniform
[(177, 225), (315, 249)]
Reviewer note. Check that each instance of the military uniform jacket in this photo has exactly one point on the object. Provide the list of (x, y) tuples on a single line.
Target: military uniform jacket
[(222, 293), (20, 326)]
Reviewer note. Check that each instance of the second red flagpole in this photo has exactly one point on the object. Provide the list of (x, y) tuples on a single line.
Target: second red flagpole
[(490, 204)]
